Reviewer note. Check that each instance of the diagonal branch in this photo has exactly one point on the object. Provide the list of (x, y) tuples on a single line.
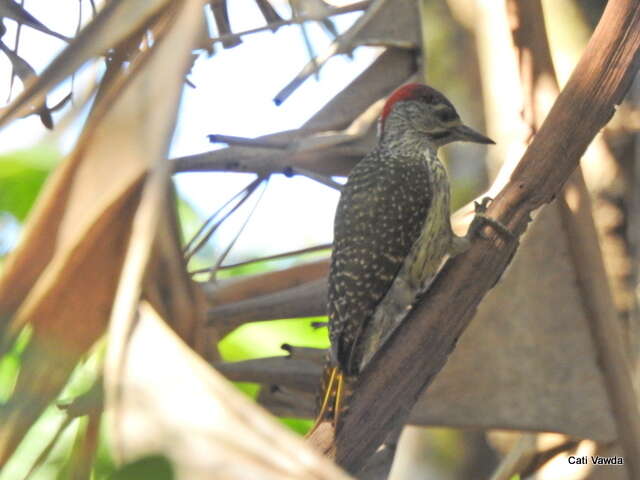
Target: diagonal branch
[(389, 387)]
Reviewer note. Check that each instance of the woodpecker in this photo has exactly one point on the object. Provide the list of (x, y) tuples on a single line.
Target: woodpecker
[(392, 231)]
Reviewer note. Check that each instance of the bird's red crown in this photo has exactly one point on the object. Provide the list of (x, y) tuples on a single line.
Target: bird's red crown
[(412, 91)]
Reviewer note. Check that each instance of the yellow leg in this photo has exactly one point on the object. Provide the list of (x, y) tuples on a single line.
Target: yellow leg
[(328, 392), (338, 403), (326, 399)]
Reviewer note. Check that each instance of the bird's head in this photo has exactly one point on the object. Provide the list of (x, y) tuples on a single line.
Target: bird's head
[(427, 111)]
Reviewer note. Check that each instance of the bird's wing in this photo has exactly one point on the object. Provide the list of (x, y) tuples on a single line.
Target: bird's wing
[(380, 215)]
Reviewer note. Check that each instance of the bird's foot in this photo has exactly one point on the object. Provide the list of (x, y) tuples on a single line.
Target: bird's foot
[(461, 244), (481, 219)]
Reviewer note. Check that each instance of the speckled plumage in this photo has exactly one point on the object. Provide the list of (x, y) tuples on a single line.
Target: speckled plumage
[(392, 227), (380, 242)]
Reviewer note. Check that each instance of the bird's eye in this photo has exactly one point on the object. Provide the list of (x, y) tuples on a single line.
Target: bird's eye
[(446, 115)]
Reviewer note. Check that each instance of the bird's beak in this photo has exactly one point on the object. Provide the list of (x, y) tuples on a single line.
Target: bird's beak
[(466, 134)]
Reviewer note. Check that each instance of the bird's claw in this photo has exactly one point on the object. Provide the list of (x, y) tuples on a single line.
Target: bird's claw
[(482, 219), (481, 206)]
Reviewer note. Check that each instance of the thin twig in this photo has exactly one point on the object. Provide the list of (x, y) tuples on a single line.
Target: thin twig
[(354, 7), (305, 38), (61, 103), (277, 256), (206, 231), (15, 50), (323, 179), (245, 142), (78, 27), (224, 254), (311, 68), (340, 45)]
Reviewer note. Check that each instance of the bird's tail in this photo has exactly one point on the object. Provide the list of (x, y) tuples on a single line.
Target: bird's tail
[(331, 401)]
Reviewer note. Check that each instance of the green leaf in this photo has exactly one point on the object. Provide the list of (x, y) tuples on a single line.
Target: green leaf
[(190, 220), (22, 174), (265, 339), (154, 467), (298, 425), (10, 363)]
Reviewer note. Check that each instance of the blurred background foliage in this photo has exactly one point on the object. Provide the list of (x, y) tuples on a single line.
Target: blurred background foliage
[(21, 177)]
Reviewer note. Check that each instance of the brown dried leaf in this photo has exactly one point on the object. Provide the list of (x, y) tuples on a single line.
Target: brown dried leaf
[(118, 20), (186, 410), (62, 278), (153, 104)]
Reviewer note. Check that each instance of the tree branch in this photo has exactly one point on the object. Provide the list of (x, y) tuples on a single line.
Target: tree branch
[(300, 371), (390, 385), (307, 300)]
